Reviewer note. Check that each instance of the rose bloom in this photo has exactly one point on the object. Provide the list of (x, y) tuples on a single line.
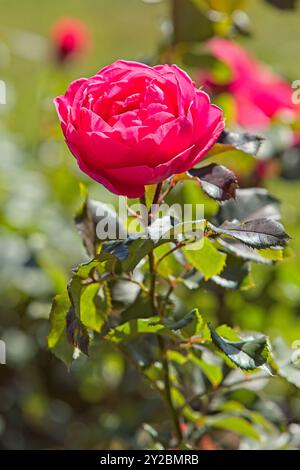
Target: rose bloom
[(70, 36), (133, 125), (259, 95)]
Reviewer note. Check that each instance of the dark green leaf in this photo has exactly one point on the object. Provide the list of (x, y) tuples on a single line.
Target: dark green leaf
[(248, 143), (258, 233), (127, 253), (234, 274), (253, 203), (190, 324), (141, 308), (244, 252), (216, 181), (248, 354), (76, 332), (93, 220), (283, 4)]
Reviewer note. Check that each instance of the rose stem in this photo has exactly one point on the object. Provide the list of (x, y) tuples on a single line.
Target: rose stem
[(160, 339)]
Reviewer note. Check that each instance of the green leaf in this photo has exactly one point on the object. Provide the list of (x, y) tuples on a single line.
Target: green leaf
[(149, 194), (76, 332), (236, 248), (93, 220), (141, 308), (208, 260), (126, 254), (235, 424), (257, 233), (216, 181), (136, 327), (227, 332), (169, 266), (248, 354), (235, 274), (84, 270), (60, 306), (57, 339), (272, 254), (252, 203), (95, 305), (287, 361), (190, 325), (179, 401), (194, 326), (212, 371), (176, 357)]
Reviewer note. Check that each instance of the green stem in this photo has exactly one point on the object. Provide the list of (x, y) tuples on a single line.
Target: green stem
[(167, 386), (160, 339)]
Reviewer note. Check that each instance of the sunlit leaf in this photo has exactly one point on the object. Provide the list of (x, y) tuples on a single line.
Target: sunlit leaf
[(57, 339), (95, 305), (208, 260), (132, 328), (235, 424), (212, 371), (247, 354)]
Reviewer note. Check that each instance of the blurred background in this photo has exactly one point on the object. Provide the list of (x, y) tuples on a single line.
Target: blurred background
[(101, 402)]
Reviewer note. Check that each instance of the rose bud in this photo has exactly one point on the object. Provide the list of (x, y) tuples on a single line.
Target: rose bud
[(133, 125), (70, 36)]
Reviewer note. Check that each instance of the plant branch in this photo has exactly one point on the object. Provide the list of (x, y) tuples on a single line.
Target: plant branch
[(167, 386), (160, 339), (245, 381)]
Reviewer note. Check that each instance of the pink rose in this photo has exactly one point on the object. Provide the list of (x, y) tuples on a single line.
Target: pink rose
[(133, 125), (259, 94)]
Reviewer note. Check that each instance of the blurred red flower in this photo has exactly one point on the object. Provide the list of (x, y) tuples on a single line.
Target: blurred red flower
[(259, 94), (70, 36)]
